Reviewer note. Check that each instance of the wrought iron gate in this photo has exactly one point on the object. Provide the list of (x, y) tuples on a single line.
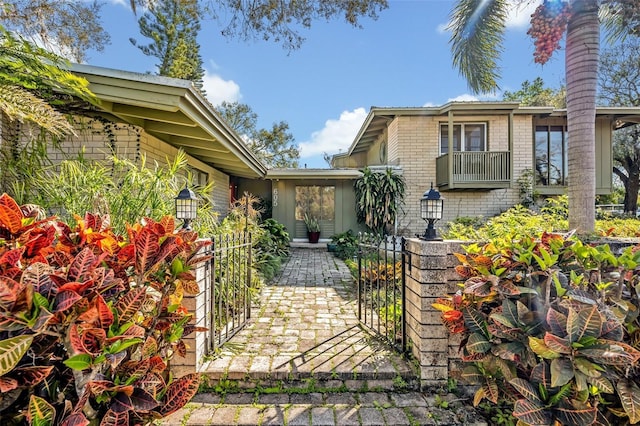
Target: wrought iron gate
[(227, 278), (381, 287)]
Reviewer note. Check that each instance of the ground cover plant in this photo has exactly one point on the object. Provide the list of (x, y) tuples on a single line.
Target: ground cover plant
[(519, 220), (550, 328), (90, 320)]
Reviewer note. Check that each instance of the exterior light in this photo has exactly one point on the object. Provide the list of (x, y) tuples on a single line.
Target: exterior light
[(431, 206), (186, 207)]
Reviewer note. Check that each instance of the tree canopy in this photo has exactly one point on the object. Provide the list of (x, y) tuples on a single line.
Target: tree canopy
[(69, 28), (275, 147), (535, 93), (281, 20), (173, 28)]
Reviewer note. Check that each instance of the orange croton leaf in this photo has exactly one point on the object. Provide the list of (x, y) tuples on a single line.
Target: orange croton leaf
[(10, 214), (452, 315)]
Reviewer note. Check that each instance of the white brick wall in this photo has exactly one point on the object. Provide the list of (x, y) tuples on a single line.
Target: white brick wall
[(414, 144)]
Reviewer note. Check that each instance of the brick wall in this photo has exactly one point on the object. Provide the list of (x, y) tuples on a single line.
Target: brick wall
[(414, 144), (97, 140)]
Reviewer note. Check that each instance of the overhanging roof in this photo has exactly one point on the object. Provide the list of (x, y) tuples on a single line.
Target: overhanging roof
[(379, 117), (175, 112), (291, 174)]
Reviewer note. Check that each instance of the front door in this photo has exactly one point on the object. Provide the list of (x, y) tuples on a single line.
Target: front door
[(316, 201)]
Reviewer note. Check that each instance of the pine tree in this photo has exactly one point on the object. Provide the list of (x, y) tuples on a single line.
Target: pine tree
[(173, 27)]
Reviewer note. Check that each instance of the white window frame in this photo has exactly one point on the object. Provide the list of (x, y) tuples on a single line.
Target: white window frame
[(462, 133)]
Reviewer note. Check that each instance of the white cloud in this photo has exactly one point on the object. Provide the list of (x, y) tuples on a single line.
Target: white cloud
[(466, 97), (336, 136), (219, 89), (518, 15)]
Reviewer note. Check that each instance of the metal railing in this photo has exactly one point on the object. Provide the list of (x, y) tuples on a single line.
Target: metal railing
[(381, 287), (227, 284)]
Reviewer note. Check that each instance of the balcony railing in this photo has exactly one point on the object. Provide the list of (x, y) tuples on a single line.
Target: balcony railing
[(474, 170)]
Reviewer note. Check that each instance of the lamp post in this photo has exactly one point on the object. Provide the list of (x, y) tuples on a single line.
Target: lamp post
[(186, 207), (431, 205)]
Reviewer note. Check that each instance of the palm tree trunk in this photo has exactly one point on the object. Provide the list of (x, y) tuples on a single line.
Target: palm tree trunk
[(581, 61)]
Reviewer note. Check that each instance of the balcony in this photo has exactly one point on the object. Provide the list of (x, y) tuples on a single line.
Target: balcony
[(474, 171)]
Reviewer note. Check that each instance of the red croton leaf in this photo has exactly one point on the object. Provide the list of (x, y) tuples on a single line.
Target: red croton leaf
[(38, 275), (31, 376), (169, 224), (38, 241), (134, 369), (75, 419), (152, 383), (9, 292), (93, 340), (74, 339), (104, 312), (11, 257), (157, 364), (8, 384), (112, 418), (65, 300), (146, 250), (179, 392), (143, 401), (83, 263), (149, 347), (10, 214), (130, 304), (181, 349)]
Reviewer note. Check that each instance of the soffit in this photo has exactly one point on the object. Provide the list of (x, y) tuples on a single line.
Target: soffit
[(174, 112)]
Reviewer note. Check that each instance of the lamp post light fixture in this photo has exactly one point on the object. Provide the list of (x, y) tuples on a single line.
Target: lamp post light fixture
[(431, 205), (186, 207)]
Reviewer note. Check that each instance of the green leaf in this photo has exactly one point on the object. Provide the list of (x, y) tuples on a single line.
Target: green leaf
[(478, 344), (12, 350), (79, 362), (603, 384), (561, 372), (475, 321), (41, 413), (630, 398), (121, 345), (538, 346), (564, 392), (587, 368)]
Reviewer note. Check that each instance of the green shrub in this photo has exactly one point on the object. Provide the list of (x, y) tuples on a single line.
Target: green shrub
[(346, 244)]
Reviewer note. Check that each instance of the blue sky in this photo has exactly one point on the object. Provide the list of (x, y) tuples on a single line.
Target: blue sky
[(325, 89)]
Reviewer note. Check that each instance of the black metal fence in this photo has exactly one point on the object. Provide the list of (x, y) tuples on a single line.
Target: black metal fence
[(227, 283), (381, 289)]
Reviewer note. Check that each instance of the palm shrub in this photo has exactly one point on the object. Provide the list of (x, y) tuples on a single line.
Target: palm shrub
[(91, 319), (379, 199), (550, 327)]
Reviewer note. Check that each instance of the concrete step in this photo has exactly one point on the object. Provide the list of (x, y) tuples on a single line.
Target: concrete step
[(325, 409)]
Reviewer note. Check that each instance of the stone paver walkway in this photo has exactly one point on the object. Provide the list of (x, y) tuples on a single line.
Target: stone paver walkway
[(303, 359)]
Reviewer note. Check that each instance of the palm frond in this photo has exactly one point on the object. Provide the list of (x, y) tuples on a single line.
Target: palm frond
[(620, 18), (477, 32), (22, 105)]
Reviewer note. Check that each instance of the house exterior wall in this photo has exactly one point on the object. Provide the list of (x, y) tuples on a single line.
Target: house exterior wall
[(97, 140), (284, 205), (414, 144)]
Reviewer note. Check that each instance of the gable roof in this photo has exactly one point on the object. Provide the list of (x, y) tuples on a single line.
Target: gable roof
[(175, 112), (379, 117)]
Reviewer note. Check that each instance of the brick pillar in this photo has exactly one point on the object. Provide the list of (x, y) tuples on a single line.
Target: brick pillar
[(195, 342), (426, 280)]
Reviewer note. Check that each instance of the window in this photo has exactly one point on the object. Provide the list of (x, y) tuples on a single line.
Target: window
[(316, 201), (551, 155), (466, 137)]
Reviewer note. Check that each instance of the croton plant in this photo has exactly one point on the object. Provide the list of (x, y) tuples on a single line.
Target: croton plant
[(550, 326), (89, 320)]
